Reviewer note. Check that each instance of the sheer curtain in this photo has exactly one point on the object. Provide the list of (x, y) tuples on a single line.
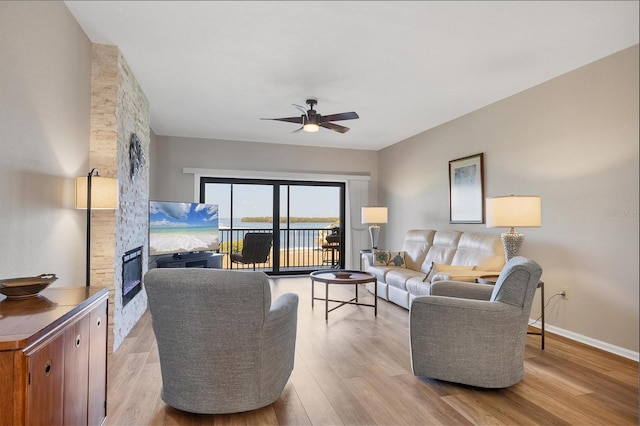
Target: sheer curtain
[(357, 197)]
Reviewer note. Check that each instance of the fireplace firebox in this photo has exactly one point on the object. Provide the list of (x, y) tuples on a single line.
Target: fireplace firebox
[(131, 274)]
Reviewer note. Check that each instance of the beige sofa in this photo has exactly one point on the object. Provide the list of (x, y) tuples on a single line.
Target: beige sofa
[(427, 256)]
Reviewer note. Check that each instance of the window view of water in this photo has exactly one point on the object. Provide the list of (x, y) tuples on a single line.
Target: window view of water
[(300, 235), (312, 209), (225, 223)]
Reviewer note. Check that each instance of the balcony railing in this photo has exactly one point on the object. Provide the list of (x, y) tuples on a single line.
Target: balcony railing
[(300, 250)]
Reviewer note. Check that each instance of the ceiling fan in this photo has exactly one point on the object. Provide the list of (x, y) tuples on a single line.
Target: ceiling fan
[(311, 121)]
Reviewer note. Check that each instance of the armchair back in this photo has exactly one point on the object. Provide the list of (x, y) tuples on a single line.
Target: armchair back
[(223, 346)]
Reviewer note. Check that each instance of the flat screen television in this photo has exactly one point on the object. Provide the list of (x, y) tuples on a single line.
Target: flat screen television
[(177, 228)]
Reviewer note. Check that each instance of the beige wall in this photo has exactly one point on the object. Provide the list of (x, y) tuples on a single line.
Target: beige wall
[(44, 140), (172, 154), (572, 140)]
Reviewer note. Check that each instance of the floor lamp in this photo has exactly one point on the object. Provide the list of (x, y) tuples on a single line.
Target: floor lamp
[(511, 211), (98, 193), (374, 216)]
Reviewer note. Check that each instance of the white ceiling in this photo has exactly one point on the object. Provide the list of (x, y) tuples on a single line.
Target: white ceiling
[(212, 69)]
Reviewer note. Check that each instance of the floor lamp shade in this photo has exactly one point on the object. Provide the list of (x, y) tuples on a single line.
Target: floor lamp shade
[(104, 192), (513, 211), (95, 192), (375, 216)]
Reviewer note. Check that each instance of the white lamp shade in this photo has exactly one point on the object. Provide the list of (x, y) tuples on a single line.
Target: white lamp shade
[(374, 215), (104, 193), (513, 211)]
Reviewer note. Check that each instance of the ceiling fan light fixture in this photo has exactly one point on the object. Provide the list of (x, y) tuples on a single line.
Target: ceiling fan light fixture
[(311, 128), (312, 121)]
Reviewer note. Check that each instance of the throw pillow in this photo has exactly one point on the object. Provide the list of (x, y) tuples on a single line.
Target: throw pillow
[(441, 267), (389, 258)]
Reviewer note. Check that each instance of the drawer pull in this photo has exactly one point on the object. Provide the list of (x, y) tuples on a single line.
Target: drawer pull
[(78, 339), (47, 368)]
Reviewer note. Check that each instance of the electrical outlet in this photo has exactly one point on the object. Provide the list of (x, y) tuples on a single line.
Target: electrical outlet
[(564, 290)]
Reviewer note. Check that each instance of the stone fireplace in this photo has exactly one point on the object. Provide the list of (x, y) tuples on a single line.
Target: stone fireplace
[(131, 274), (120, 118)]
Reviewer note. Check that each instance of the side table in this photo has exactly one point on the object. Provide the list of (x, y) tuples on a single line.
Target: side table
[(335, 277)]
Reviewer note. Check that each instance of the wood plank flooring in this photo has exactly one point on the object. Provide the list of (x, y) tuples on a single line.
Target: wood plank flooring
[(355, 370)]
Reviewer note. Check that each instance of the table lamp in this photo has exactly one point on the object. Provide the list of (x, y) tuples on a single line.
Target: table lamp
[(511, 211), (95, 192), (374, 216)]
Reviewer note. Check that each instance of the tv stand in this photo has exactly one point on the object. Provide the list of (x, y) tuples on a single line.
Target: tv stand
[(202, 259)]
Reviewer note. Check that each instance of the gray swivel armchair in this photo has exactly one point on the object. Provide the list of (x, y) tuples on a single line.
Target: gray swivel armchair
[(474, 334), (224, 347)]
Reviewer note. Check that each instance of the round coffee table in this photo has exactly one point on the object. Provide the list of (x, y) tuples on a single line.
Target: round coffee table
[(334, 277)]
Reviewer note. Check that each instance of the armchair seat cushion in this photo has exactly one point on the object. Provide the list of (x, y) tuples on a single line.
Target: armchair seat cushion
[(398, 277)]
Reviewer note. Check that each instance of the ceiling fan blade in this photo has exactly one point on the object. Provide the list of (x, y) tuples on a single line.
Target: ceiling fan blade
[(335, 127), (301, 108), (338, 117), (297, 120)]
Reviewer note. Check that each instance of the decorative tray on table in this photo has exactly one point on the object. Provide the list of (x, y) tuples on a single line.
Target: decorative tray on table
[(20, 288), (342, 275)]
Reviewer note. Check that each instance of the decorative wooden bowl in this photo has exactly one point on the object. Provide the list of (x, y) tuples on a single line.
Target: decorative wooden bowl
[(20, 288), (342, 275)]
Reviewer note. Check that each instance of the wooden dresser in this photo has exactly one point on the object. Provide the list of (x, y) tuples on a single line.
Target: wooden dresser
[(53, 357)]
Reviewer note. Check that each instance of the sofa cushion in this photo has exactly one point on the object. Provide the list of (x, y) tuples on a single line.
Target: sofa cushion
[(389, 258), (416, 243), (483, 250), (379, 272), (417, 287), (397, 277), (443, 248), (427, 277)]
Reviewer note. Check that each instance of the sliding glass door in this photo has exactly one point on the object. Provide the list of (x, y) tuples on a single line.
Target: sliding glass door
[(307, 234)]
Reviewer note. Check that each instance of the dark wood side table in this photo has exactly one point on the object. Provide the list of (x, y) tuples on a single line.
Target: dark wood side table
[(491, 279), (333, 277)]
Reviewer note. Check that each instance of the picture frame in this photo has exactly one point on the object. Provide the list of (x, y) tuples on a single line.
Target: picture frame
[(466, 189)]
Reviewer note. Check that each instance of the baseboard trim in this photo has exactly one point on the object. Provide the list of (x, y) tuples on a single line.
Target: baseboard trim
[(599, 344)]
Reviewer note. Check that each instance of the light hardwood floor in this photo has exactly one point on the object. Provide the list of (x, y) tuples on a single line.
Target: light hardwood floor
[(355, 370)]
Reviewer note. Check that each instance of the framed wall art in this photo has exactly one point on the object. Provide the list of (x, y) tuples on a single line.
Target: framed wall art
[(466, 189)]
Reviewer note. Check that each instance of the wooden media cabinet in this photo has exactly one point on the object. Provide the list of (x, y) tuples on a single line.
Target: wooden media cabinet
[(53, 357)]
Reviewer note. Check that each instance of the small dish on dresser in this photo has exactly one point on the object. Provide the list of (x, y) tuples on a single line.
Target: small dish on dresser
[(20, 288)]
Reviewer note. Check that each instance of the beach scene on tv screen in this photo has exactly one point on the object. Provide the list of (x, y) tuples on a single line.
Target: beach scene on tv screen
[(182, 227)]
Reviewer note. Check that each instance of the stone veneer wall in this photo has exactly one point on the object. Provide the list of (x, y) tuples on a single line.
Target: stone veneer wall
[(119, 109)]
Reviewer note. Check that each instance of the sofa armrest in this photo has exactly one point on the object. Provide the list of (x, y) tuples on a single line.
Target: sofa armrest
[(367, 260), (463, 290)]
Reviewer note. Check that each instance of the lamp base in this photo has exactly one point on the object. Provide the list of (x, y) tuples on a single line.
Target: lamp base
[(374, 231), (512, 241)]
